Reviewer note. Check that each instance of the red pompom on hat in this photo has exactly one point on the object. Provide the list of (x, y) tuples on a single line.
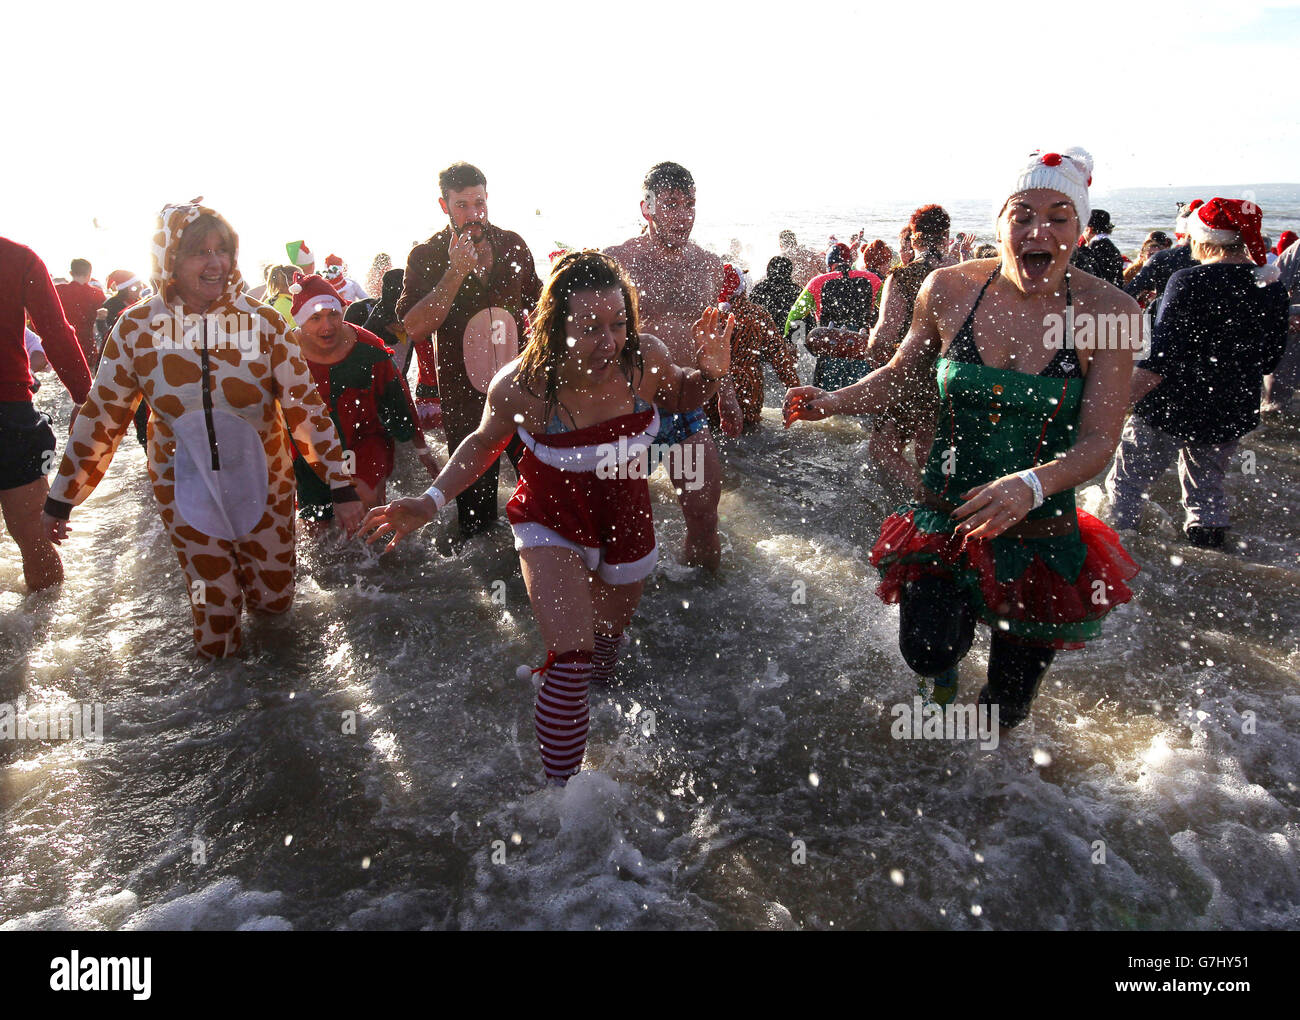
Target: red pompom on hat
[(313, 294), (1069, 172), (1229, 221), (1288, 238)]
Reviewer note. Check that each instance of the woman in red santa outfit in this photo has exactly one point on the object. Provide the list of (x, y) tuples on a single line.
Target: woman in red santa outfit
[(582, 398)]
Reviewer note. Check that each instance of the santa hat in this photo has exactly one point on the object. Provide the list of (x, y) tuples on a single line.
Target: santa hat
[(1229, 221), (1180, 221), (300, 254), (1288, 238), (312, 294), (733, 283), (123, 279), (1069, 172)]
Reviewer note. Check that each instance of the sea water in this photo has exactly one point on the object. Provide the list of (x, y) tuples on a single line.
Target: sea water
[(369, 761)]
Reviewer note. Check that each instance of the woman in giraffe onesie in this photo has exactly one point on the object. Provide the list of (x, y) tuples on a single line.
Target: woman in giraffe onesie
[(218, 371)]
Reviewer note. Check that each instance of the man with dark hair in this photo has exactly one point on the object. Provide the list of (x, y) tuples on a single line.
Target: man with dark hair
[(470, 285), (460, 176), (676, 281), (81, 301)]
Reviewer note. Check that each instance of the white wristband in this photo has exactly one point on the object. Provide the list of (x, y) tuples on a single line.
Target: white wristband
[(440, 501), (1031, 479)]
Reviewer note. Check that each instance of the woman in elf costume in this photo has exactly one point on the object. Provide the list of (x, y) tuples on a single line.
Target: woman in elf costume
[(1024, 417)]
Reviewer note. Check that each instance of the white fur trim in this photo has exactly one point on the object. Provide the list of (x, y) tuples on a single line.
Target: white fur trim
[(319, 303), (1211, 235), (589, 458), (629, 573)]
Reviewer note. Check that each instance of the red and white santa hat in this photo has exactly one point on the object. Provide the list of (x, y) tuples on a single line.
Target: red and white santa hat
[(733, 283), (1068, 171), (120, 280), (312, 294), (1229, 221)]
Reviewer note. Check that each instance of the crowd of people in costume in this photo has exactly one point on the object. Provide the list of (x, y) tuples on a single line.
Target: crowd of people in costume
[(975, 367)]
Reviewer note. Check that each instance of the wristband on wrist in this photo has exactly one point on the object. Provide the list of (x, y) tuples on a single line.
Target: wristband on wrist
[(1031, 479), (439, 500)]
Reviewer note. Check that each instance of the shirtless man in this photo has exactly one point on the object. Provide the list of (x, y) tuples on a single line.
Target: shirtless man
[(676, 281)]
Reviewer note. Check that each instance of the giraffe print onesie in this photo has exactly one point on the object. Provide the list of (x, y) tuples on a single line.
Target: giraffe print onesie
[(220, 460)]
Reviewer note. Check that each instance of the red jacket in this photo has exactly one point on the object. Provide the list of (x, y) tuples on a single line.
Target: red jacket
[(26, 289), (80, 302)]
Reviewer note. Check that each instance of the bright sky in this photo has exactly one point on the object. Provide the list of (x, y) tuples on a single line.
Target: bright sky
[(329, 121)]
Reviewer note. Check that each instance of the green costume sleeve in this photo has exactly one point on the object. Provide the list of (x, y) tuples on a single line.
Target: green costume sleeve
[(804, 306)]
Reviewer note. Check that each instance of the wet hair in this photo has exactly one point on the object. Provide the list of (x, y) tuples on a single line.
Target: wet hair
[(779, 268), (79, 267), (667, 177), (460, 176), (986, 251), (929, 226), (877, 257), (787, 239), (547, 345)]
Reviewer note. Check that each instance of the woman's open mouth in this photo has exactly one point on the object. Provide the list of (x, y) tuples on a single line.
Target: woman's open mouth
[(1036, 263)]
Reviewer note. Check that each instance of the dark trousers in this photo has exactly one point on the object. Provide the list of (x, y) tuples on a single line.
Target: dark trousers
[(936, 627), (476, 507)]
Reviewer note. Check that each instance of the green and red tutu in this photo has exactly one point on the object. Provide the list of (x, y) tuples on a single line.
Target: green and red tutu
[(1052, 591)]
